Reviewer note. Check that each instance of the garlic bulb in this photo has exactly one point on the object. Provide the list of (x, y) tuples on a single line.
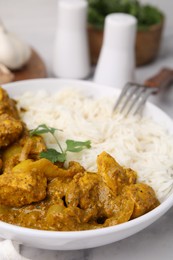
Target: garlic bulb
[(5, 75), (14, 53)]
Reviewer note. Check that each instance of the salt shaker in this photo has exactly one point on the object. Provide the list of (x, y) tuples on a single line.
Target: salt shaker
[(71, 53), (116, 62)]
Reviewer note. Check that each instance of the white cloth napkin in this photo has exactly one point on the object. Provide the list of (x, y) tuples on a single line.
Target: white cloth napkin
[(9, 250)]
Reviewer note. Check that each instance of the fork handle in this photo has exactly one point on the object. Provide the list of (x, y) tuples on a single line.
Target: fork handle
[(161, 80)]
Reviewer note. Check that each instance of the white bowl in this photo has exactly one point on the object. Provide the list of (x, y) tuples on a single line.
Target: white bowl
[(91, 238)]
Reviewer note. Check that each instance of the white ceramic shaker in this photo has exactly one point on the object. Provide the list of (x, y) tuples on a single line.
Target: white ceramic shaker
[(71, 53), (116, 62)]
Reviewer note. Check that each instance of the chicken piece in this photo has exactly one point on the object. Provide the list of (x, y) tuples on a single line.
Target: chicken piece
[(26, 185), (91, 194), (10, 157), (33, 219), (74, 168), (37, 146), (30, 216), (61, 180), (62, 218), (7, 105), (10, 163), (123, 213), (11, 151), (83, 193), (83, 190), (10, 130), (32, 147), (57, 189), (114, 175), (143, 196)]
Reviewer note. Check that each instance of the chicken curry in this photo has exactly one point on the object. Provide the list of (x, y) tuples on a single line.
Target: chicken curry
[(39, 194)]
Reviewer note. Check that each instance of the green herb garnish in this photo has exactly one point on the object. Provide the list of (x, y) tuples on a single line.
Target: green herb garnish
[(43, 129), (77, 146), (53, 155), (61, 155)]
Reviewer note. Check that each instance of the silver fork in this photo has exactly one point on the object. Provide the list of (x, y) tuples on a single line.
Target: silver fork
[(134, 96)]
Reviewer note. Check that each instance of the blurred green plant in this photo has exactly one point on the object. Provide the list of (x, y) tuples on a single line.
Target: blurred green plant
[(146, 15)]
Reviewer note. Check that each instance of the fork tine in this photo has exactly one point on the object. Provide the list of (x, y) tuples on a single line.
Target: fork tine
[(129, 96), (134, 99), (144, 97), (122, 95)]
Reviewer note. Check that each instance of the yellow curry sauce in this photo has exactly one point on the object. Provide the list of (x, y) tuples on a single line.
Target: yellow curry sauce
[(38, 194)]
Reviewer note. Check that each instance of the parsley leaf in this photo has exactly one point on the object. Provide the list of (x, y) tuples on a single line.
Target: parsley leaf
[(43, 129), (77, 146), (53, 155)]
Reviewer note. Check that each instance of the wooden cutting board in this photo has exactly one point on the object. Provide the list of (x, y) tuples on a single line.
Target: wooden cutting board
[(35, 68)]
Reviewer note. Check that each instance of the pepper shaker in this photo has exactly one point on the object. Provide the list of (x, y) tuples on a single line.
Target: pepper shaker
[(116, 61), (71, 53)]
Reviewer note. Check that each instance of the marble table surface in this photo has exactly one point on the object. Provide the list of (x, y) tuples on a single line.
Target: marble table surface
[(35, 22)]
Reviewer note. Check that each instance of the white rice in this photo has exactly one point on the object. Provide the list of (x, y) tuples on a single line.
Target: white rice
[(140, 144)]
